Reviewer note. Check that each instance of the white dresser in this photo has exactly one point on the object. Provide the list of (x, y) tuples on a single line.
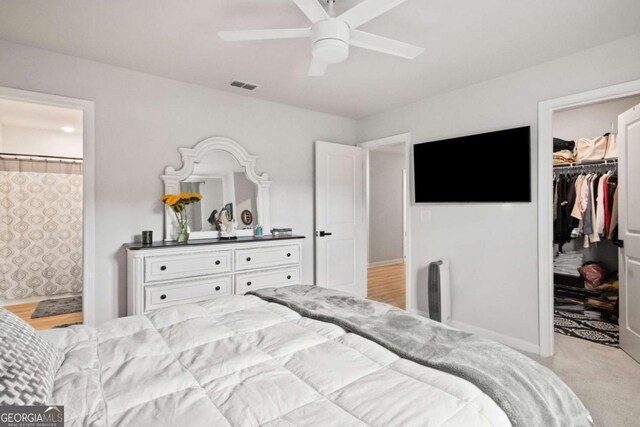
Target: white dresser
[(168, 273)]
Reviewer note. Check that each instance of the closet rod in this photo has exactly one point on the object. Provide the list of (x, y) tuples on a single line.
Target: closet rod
[(18, 156), (591, 164)]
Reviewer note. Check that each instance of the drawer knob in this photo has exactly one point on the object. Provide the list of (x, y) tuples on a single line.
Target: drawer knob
[(163, 296), (289, 277), (163, 268), (248, 283), (289, 254), (217, 262), (248, 259), (217, 288)]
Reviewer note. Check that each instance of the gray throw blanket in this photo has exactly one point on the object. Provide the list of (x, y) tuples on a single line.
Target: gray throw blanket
[(529, 393)]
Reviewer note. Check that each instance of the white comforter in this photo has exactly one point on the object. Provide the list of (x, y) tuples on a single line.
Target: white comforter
[(244, 362)]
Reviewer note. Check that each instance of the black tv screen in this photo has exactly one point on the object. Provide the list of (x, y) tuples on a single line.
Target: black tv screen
[(488, 167)]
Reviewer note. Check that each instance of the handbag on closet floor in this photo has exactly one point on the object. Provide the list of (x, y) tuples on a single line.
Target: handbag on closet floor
[(591, 149)]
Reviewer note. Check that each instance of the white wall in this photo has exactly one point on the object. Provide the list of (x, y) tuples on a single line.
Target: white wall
[(385, 207), (141, 120), (592, 120), (43, 142), (492, 248)]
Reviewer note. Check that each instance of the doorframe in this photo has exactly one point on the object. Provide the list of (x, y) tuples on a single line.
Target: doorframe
[(377, 143), (546, 109), (88, 184)]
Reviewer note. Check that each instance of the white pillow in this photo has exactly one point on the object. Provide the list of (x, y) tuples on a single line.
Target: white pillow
[(28, 363)]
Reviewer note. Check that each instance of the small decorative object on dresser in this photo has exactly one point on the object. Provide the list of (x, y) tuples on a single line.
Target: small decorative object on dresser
[(169, 273), (181, 205), (147, 237), (227, 223), (281, 232), (247, 217)]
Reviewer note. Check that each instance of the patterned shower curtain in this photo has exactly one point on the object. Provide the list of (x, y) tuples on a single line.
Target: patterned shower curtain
[(40, 229)]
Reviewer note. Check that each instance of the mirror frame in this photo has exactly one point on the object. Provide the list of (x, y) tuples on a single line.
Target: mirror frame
[(189, 157)]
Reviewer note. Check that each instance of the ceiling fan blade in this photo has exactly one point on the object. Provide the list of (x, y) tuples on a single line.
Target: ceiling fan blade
[(384, 45), (312, 9), (317, 68), (287, 33), (367, 10)]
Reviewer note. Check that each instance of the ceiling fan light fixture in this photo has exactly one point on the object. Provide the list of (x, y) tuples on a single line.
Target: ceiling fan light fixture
[(330, 51), (330, 41)]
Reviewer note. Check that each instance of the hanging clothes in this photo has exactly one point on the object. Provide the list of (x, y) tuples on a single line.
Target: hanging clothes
[(613, 232), (562, 231), (584, 205)]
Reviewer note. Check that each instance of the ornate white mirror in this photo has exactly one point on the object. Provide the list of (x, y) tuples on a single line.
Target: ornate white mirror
[(224, 174)]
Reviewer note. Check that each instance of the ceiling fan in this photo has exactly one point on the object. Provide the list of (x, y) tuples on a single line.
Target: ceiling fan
[(332, 36)]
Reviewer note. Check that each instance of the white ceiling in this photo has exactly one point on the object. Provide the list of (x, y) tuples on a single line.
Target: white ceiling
[(38, 116), (466, 41)]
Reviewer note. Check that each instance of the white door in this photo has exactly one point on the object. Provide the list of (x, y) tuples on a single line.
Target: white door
[(629, 230), (341, 251)]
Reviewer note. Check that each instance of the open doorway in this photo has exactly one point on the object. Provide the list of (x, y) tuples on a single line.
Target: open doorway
[(579, 246), (387, 208), (41, 212), (586, 235)]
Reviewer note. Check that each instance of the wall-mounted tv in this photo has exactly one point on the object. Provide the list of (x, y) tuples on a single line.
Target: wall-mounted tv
[(485, 168)]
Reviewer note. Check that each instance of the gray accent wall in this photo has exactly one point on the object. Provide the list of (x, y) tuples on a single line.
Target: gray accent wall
[(385, 207)]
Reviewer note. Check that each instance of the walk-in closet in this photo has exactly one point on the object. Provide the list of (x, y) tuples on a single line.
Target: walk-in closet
[(585, 221)]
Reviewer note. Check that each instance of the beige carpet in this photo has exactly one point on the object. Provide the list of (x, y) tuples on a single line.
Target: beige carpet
[(605, 378)]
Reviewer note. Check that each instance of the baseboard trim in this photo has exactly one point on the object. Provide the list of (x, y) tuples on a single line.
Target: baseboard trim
[(515, 343), (388, 262)]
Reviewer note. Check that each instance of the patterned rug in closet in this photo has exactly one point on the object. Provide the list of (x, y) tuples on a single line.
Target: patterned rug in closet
[(576, 324)]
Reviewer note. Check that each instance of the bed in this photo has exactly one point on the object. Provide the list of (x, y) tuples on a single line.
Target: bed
[(254, 361)]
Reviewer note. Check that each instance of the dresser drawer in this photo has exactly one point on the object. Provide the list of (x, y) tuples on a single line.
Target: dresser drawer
[(181, 266), (267, 278), (158, 296), (248, 259)]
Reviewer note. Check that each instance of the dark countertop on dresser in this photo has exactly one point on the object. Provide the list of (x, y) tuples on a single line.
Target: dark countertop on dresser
[(202, 242)]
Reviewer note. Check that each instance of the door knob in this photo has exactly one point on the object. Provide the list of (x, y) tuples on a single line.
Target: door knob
[(324, 233)]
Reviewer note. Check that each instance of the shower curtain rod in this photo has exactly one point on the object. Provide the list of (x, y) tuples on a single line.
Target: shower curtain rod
[(18, 156)]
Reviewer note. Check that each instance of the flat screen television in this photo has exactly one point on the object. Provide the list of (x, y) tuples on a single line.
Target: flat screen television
[(485, 168)]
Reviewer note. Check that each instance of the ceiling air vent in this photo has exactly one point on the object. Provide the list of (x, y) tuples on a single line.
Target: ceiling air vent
[(243, 85)]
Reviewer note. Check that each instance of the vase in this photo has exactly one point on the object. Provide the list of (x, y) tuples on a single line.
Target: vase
[(183, 232)]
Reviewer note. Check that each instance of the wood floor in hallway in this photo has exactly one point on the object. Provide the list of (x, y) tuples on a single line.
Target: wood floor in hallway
[(24, 311), (387, 283)]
